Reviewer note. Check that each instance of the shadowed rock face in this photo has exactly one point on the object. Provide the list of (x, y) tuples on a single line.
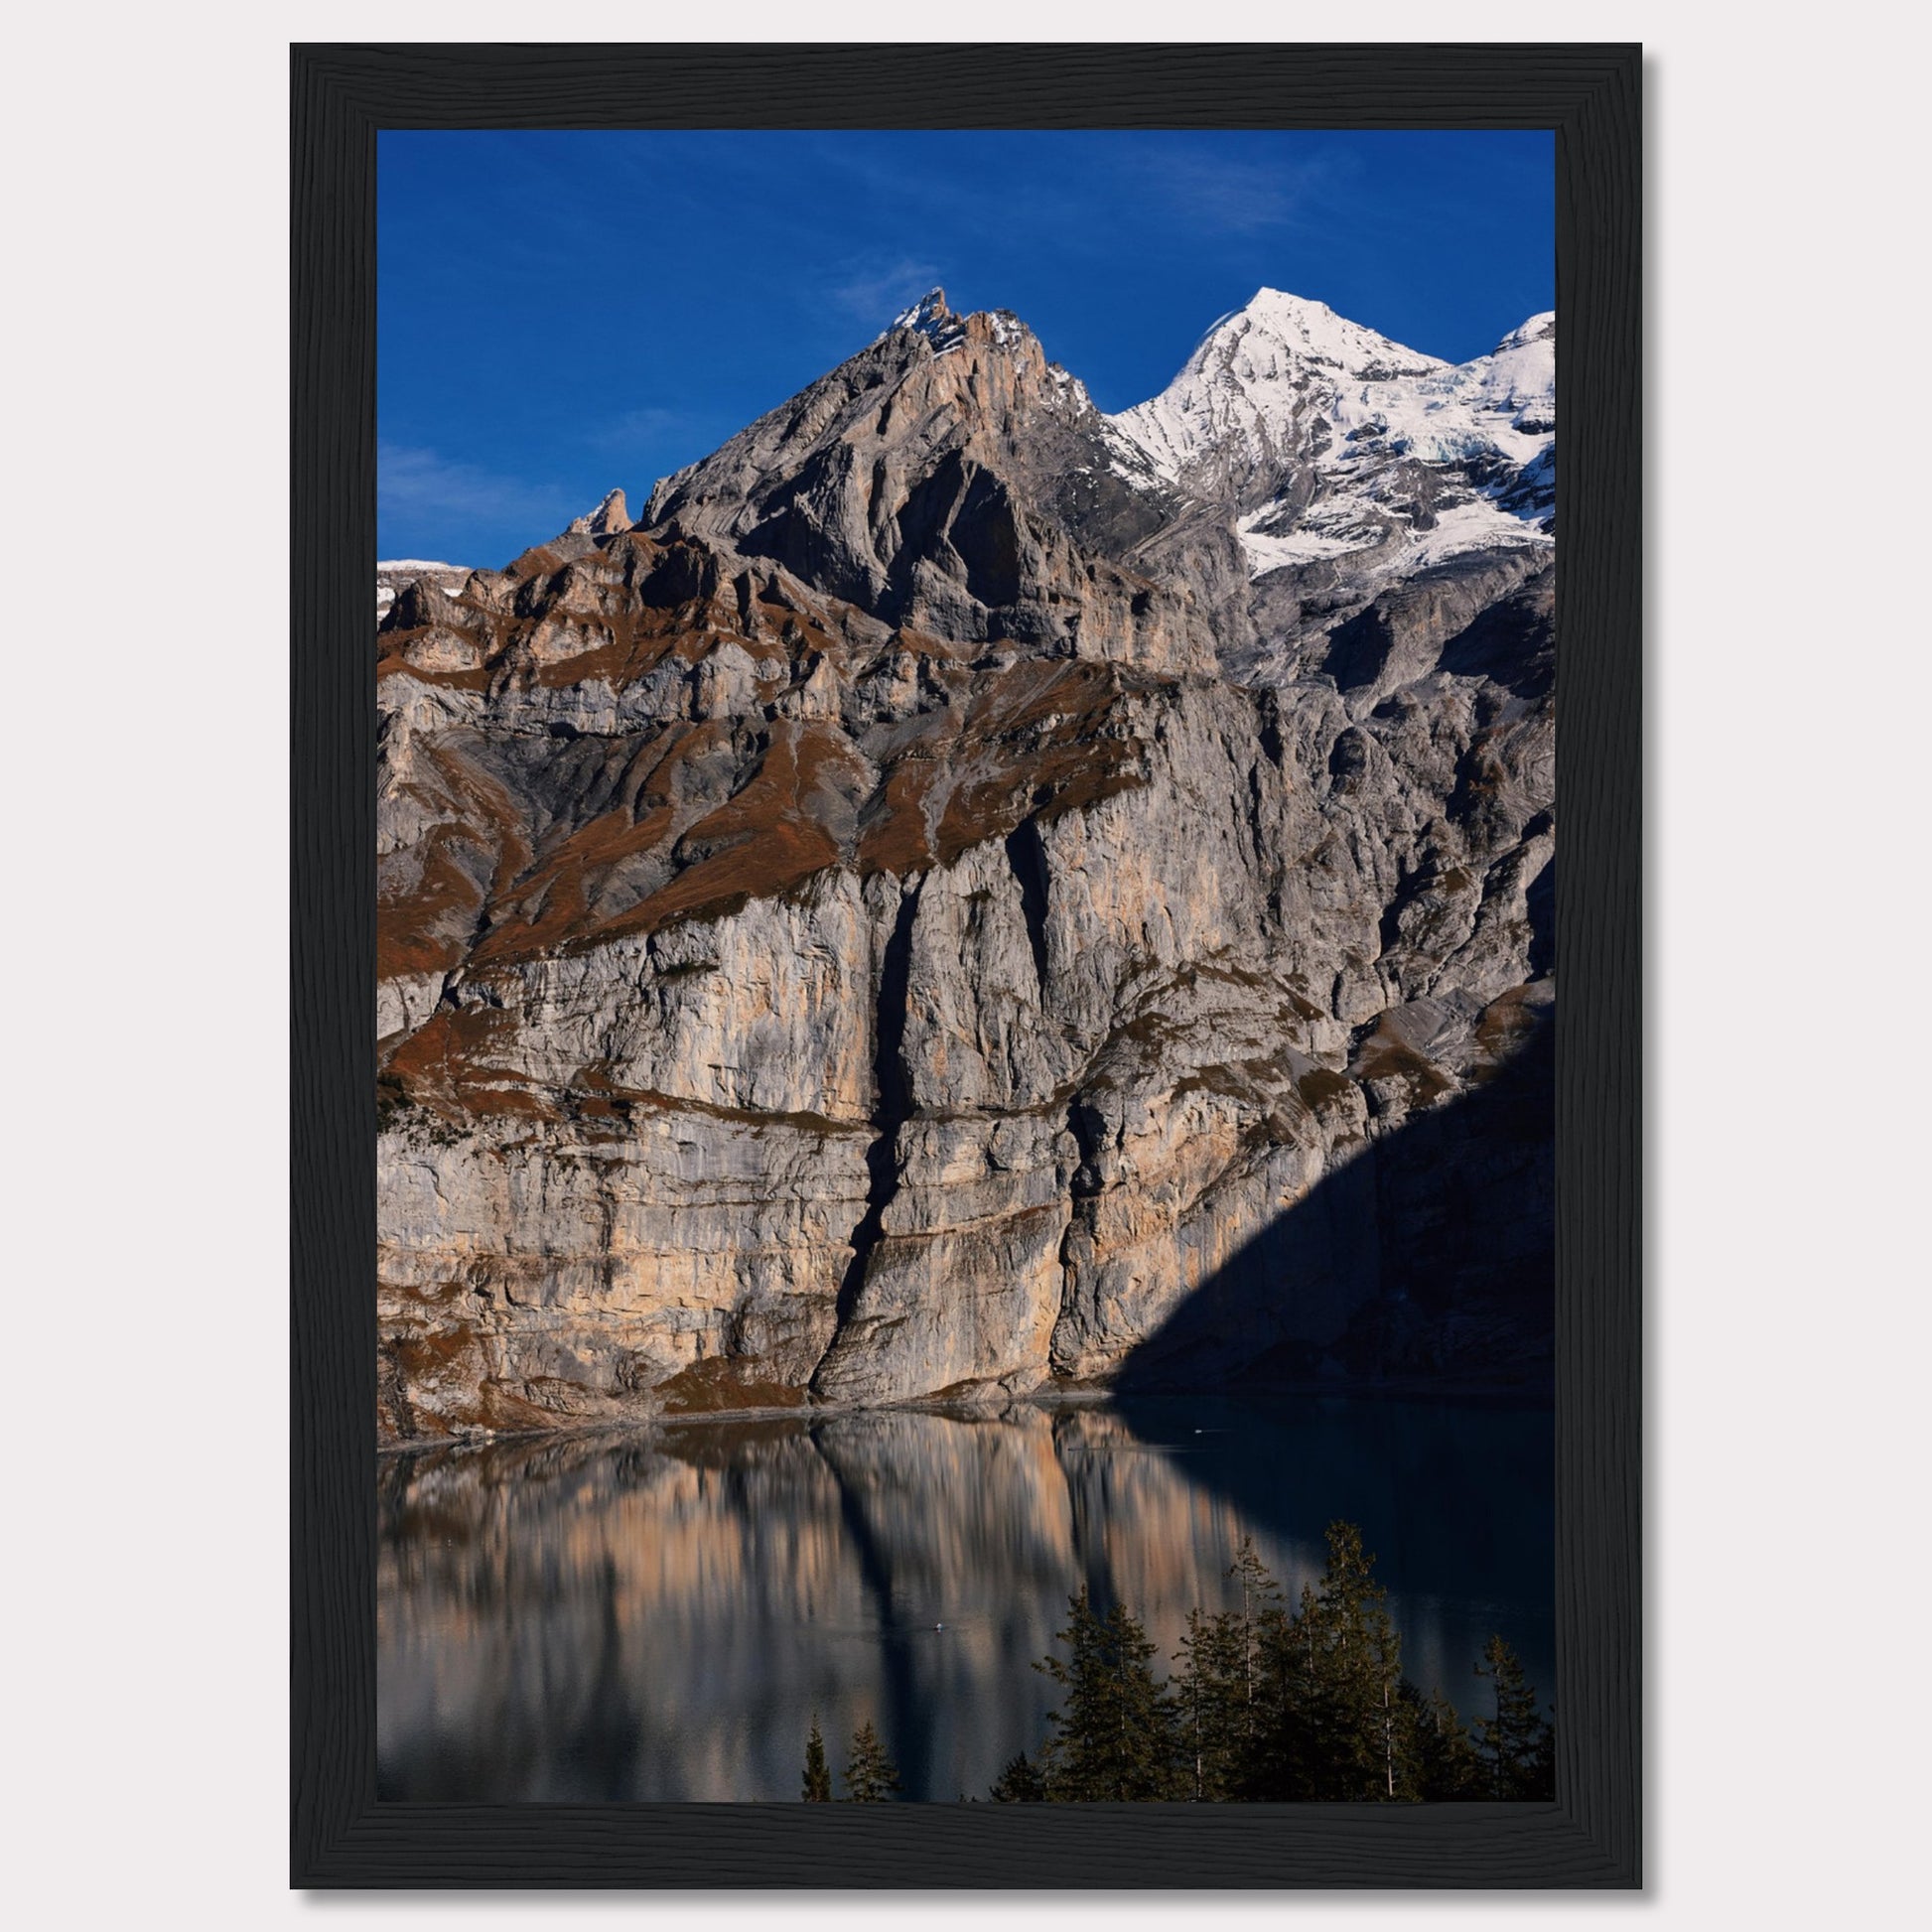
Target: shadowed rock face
[(908, 912)]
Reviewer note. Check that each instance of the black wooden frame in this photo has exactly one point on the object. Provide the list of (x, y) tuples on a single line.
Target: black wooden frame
[(1590, 96)]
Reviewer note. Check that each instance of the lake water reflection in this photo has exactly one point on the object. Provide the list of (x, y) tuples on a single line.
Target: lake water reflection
[(658, 1617)]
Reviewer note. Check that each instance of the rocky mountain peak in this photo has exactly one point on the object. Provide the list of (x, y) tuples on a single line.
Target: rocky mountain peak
[(609, 517), (948, 479), (398, 574), (932, 317)]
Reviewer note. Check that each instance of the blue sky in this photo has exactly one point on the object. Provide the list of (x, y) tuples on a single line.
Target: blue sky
[(562, 313)]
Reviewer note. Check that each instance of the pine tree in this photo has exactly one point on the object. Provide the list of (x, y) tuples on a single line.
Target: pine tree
[(1018, 1785), (1342, 1730), (1209, 1705), (1282, 1759), (1261, 1625), (1268, 1705), (818, 1775), (1516, 1746), (1223, 1693), (1377, 1723), (869, 1776), (1446, 1766), (1115, 1738)]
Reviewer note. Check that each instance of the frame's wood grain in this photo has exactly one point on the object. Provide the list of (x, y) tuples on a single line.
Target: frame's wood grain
[(1590, 96)]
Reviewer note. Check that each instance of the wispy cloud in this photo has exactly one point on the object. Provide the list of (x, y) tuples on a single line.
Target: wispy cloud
[(414, 483), (1233, 196), (874, 289)]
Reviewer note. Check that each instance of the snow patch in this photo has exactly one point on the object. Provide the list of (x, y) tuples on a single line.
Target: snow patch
[(1478, 524), (1303, 545)]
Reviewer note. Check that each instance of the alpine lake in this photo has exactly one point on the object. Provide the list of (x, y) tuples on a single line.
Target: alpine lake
[(660, 1615)]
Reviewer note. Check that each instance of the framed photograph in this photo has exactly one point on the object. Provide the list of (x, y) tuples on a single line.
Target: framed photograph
[(976, 1249)]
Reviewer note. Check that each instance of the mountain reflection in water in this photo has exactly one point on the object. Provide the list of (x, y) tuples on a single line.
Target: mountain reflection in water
[(604, 1618)]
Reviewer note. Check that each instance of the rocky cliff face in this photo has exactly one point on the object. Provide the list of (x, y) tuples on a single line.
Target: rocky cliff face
[(938, 907)]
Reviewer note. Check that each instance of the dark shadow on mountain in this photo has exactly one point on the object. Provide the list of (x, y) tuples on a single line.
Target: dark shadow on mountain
[(893, 1106), (1426, 1264), (1512, 643), (1459, 617)]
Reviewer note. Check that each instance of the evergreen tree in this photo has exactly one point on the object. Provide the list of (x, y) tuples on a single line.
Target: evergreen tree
[(1260, 1626), (1516, 1746), (1115, 1738), (1268, 1705), (1259, 1593), (1209, 1705), (1282, 1759), (1446, 1766), (1018, 1785), (1341, 1730), (1224, 1695), (818, 1775), (1372, 1679), (870, 1777)]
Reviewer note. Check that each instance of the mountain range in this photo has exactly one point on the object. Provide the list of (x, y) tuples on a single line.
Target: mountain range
[(966, 895)]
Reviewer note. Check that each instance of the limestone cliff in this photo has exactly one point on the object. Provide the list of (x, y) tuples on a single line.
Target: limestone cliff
[(932, 910)]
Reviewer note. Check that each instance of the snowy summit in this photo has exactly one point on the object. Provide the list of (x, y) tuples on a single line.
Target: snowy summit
[(1332, 440)]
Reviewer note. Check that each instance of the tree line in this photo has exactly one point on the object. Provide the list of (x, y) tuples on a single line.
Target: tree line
[(1269, 1702)]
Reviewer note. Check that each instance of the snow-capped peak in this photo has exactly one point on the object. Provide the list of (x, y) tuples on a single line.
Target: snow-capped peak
[(1312, 332), (1253, 376), (1328, 438)]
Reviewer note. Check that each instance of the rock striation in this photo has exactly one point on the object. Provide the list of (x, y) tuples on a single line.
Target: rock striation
[(930, 910)]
